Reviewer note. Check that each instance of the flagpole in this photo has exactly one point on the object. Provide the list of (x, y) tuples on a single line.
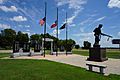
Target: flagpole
[(57, 33), (45, 26), (66, 33)]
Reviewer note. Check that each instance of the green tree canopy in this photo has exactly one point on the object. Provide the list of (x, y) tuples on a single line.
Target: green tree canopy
[(21, 37), (7, 37)]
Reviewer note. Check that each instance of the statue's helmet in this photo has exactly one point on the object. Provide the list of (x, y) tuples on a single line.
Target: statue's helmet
[(100, 26)]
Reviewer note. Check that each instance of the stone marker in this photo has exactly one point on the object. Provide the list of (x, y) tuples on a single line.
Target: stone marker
[(37, 47), (26, 47), (15, 47)]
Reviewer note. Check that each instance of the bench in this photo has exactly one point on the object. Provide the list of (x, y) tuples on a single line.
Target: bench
[(101, 67)]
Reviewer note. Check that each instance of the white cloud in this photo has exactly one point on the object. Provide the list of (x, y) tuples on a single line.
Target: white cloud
[(4, 26), (113, 27), (105, 43), (119, 34), (55, 32), (72, 25), (18, 18), (85, 21), (83, 34), (20, 26), (1, 1), (28, 30), (84, 37), (70, 19), (30, 12), (114, 3), (100, 19), (27, 33), (77, 5), (27, 26), (82, 29), (7, 9), (97, 20)]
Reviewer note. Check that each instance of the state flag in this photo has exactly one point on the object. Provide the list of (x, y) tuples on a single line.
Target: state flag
[(63, 26), (54, 24)]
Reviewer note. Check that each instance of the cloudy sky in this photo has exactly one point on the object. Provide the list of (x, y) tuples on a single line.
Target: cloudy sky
[(83, 17)]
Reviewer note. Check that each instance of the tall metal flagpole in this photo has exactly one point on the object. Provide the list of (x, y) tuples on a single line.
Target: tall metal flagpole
[(66, 33), (57, 33), (45, 26)]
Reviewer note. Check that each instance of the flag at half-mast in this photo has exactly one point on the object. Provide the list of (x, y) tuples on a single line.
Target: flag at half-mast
[(42, 21), (54, 24), (64, 25)]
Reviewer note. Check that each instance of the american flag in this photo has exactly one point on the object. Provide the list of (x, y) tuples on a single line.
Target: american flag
[(42, 21)]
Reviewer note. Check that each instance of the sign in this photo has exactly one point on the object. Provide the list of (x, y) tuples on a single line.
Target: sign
[(116, 41)]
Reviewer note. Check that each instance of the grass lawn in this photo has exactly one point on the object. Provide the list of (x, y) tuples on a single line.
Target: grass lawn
[(4, 55), (46, 70), (113, 54), (80, 52), (110, 53)]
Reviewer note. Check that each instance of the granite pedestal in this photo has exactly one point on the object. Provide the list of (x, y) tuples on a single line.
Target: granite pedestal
[(97, 54)]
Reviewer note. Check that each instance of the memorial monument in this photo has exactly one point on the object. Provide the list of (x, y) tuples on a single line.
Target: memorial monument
[(37, 47), (97, 53), (16, 47)]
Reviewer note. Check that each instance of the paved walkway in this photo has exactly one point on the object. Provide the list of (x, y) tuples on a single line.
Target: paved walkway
[(113, 65), (6, 51)]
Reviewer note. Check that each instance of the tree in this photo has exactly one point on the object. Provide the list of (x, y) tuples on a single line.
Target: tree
[(77, 46), (70, 43), (87, 45), (21, 37), (35, 38), (7, 38)]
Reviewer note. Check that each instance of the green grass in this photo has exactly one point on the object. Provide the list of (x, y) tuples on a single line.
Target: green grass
[(113, 54), (110, 53), (80, 52), (46, 70), (4, 55)]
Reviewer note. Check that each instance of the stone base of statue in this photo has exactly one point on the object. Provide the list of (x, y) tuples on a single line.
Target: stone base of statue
[(97, 54)]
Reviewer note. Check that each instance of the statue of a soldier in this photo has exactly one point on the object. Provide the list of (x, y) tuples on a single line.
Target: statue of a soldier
[(98, 33)]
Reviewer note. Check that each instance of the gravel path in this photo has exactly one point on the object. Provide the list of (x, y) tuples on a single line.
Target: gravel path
[(113, 65)]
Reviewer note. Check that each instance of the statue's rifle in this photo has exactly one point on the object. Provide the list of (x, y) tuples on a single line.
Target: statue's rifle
[(107, 36)]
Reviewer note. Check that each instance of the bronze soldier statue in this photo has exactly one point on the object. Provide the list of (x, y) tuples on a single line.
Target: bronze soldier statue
[(98, 33)]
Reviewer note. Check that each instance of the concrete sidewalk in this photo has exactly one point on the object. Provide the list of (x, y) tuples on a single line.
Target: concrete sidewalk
[(113, 65), (6, 51)]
